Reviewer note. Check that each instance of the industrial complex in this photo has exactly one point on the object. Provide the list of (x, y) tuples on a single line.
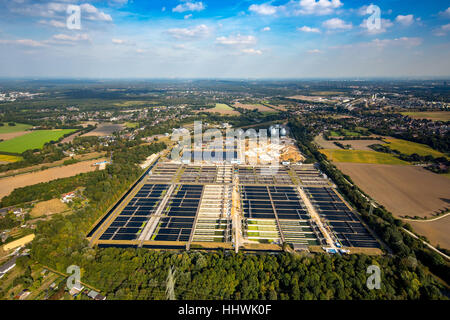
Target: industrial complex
[(240, 200)]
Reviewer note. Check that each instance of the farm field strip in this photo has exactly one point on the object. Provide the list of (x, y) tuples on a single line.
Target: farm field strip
[(408, 147), (26, 179), (222, 109), (8, 158), (403, 190), (434, 116), (361, 156), (48, 165), (33, 140), (18, 127)]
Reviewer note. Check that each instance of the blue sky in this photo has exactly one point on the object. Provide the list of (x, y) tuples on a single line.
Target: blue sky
[(225, 39)]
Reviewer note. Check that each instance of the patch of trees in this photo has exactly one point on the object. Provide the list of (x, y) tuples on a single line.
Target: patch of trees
[(8, 222)]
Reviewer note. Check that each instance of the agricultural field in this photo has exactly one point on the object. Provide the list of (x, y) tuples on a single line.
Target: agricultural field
[(4, 158), (131, 103), (437, 232), (349, 133), (27, 179), (47, 165), (434, 116), (327, 93), (408, 147), (50, 207), (18, 127), (19, 242), (355, 144), (33, 140), (310, 98), (323, 143), (403, 190), (104, 129), (131, 125), (361, 156), (9, 132), (259, 107), (221, 108)]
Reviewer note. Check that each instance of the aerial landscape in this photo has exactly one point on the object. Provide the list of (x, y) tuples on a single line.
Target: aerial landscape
[(224, 150)]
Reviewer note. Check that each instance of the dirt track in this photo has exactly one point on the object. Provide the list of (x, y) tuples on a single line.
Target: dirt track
[(10, 183), (403, 190)]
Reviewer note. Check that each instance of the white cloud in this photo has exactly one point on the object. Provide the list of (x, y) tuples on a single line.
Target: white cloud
[(385, 24), (320, 7), (314, 51), (71, 38), (199, 31), (187, 16), (442, 30), (264, 9), (308, 29), (295, 8), (23, 42), (122, 41), (179, 46), (404, 41), (252, 51), (445, 13), (406, 20), (54, 23), (94, 13), (189, 6), (118, 41), (336, 24), (237, 40), (265, 29)]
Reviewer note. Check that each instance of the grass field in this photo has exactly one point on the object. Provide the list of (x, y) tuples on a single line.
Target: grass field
[(222, 109), (434, 116), (409, 148), (49, 207), (361, 156), (131, 103), (259, 107), (32, 140), (348, 133), (131, 124), (18, 127), (326, 93), (8, 158)]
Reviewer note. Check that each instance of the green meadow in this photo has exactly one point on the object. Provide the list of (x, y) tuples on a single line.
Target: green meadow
[(33, 140)]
